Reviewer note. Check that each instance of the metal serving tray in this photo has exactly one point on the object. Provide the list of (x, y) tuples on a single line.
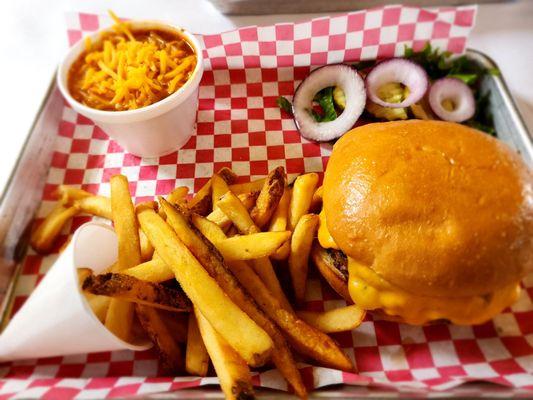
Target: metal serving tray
[(249, 7), (21, 198)]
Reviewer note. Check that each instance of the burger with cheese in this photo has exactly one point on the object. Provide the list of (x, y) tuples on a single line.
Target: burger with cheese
[(434, 220)]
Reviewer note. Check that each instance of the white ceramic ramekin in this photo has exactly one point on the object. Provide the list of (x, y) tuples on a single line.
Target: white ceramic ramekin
[(152, 131)]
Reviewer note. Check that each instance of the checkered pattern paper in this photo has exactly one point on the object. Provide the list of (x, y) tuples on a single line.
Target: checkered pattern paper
[(240, 126)]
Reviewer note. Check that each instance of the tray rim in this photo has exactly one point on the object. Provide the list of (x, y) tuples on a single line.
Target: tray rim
[(8, 295), (7, 300), (527, 137)]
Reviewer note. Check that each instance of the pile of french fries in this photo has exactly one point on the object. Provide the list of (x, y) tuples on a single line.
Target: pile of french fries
[(198, 275)]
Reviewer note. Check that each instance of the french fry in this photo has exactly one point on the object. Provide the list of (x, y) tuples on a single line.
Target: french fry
[(283, 252), (168, 350), (247, 187), (336, 320), (264, 268), (68, 194), (43, 238), (177, 194), (99, 305), (147, 250), (83, 273), (235, 210), (248, 199), (119, 316), (99, 206), (201, 203), (177, 323), (196, 357), (269, 197), (249, 340), (253, 246), (147, 204), (125, 287), (302, 195), (126, 227), (204, 251), (218, 188), (221, 219), (304, 338), (237, 213), (316, 201), (228, 175), (232, 372), (112, 268), (211, 231), (301, 242), (279, 222), (332, 265), (154, 270)]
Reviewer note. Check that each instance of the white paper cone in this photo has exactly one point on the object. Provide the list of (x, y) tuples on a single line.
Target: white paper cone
[(56, 319)]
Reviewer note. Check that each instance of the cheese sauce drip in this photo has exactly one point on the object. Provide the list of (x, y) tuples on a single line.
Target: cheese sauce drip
[(127, 69), (324, 237), (372, 292)]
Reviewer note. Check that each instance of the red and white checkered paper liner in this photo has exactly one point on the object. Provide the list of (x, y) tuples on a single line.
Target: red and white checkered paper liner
[(240, 126)]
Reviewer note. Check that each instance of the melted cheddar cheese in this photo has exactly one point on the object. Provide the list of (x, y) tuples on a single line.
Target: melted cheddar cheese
[(371, 292), (324, 237)]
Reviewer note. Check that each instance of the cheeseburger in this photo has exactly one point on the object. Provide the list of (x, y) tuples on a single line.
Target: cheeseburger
[(433, 219)]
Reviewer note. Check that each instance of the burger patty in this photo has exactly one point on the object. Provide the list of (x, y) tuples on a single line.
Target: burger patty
[(333, 266), (339, 261)]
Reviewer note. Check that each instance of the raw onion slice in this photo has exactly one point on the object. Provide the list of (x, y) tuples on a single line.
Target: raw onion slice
[(457, 94), (397, 70), (338, 75)]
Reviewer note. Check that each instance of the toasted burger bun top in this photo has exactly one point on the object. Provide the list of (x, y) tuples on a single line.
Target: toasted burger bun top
[(436, 208)]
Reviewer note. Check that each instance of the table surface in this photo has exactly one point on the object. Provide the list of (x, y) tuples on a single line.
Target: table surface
[(34, 36)]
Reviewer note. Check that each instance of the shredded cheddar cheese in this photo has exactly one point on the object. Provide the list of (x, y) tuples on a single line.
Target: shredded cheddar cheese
[(128, 69)]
